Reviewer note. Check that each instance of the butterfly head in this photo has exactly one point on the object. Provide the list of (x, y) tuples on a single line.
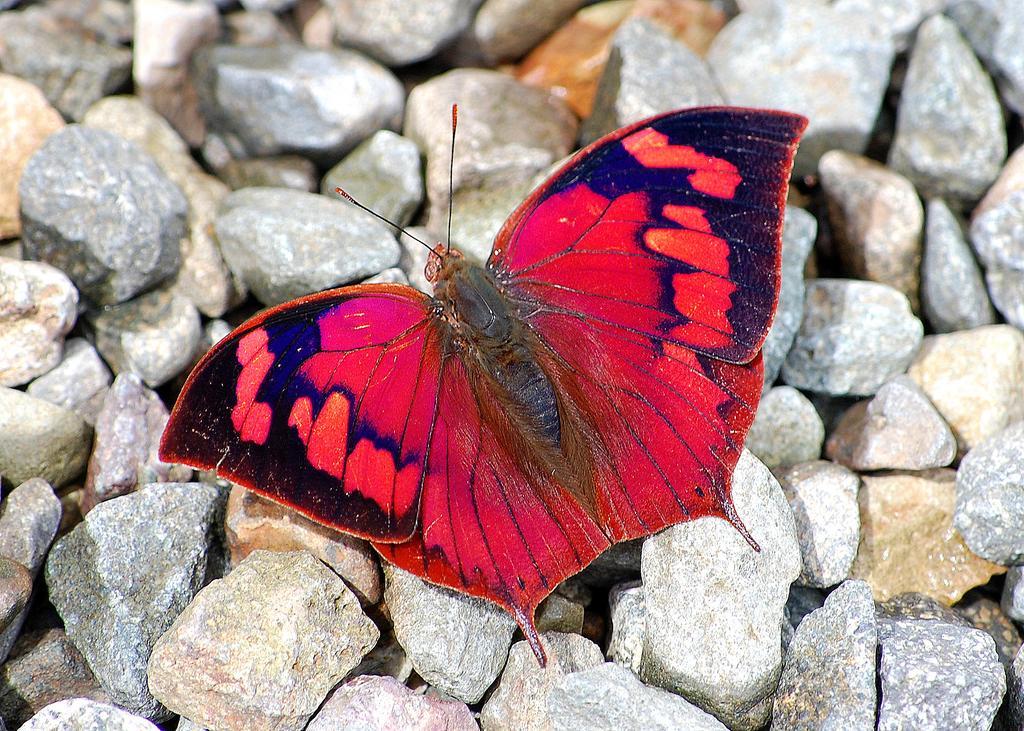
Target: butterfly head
[(439, 258)]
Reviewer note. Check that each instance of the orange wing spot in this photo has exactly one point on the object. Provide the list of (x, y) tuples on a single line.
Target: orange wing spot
[(371, 472), (711, 175), (251, 344), (256, 425), (690, 217), (704, 298), (251, 418), (301, 417), (328, 437), (699, 250), (701, 336)]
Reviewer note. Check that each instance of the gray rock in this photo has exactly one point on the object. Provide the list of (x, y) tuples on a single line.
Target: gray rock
[(611, 698), (990, 497), (456, 643), (1015, 691), (997, 221), (82, 714), (508, 133), (620, 562), (898, 429), (648, 72), (877, 219), (282, 171), (519, 703), (715, 607), (823, 497), (786, 429), (413, 260), (128, 431), (79, 383), (627, 611), (994, 29), (101, 210), (828, 677), (370, 702), (286, 98), (203, 278), (950, 137), (558, 613), (398, 33), (72, 68), (387, 658), (953, 294), (781, 57), (897, 18), (44, 668), (975, 380), (987, 615), (38, 306), (798, 233), (801, 602), (38, 439), (261, 648), (1013, 594), (285, 243), (15, 594), (383, 174), (1006, 288), (936, 675), (504, 30), (153, 336), (391, 275), (119, 579), (256, 28), (855, 335), (29, 518)]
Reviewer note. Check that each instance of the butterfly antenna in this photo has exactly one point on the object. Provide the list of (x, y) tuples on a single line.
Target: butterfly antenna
[(451, 173), (379, 217)]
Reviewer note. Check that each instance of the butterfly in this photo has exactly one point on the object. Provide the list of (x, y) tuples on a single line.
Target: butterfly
[(591, 384)]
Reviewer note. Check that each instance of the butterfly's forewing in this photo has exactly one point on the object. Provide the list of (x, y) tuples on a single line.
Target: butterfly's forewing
[(324, 404), (649, 266)]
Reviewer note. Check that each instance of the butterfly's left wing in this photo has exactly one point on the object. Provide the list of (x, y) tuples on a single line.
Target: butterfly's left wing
[(649, 266)]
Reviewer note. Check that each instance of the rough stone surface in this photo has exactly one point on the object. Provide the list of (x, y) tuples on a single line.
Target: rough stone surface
[(950, 136), (1015, 691), (371, 702), (29, 517), (628, 613), (286, 243), (974, 378), (798, 233), (398, 33), (714, 607), (254, 523), (79, 382), (609, 697), (823, 62), (908, 541), (990, 497), (121, 577), (786, 429), (38, 306), (937, 675), (128, 431), (15, 593), (1013, 594), (1006, 288), (987, 615), (26, 119), (997, 221), (559, 613), (82, 714), (828, 677), (285, 98), (520, 702), (953, 295), (823, 497), (648, 72), (100, 209), (281, 171), (897, 429), (456, 643), (38, 439), (897, 18), (877, 219), (508, 132), (855, 335), (503, 30), (262, 647), (383, 174)]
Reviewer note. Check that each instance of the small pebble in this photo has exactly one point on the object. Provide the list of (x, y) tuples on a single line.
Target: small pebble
[(456, 643), (1015, 692), (558, 613), (1013, 594), (975, 380), (281, 171), (990, 497), (38, 439), (79, 382), (15, 593), (628, 612), (371, 702), (896, 18), (914, 605), (286, 243), (1006, 288), (987, 615), (714, 606), (82, 714), (828, 676), (823, 497), (786, 429), (503, 30), (997, 220), (909, 542), (897, 429), (38, 306), (262, 647), (855, 335)]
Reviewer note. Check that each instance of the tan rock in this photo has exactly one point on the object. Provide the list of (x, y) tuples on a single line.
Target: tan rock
[(908, 543), (26, 119), (975, 378)]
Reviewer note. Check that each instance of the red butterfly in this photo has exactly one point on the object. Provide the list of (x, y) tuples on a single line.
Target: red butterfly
[(592, 384)]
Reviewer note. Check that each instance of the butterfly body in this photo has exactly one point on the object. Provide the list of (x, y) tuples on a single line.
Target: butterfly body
[(591, 384)]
